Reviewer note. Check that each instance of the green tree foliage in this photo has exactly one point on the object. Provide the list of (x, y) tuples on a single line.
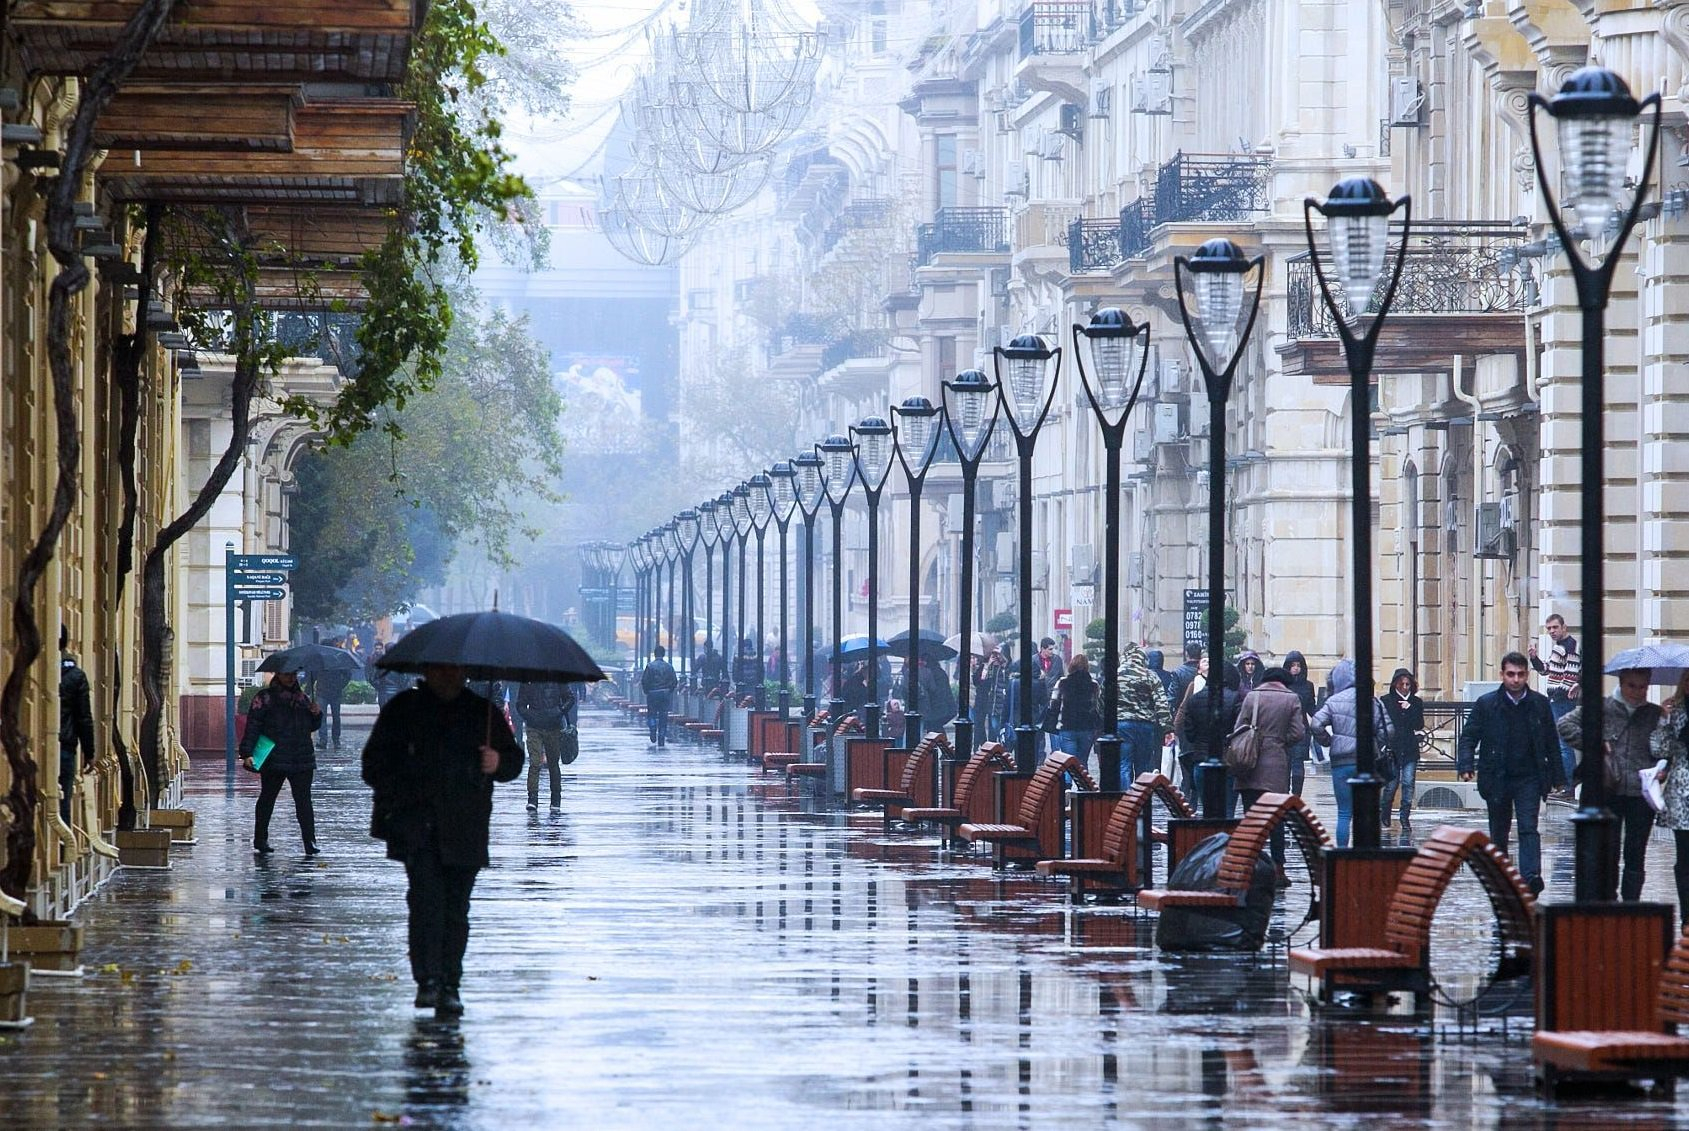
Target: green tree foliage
[(376, 520), (1234, 636), (1094, 641), (1005, 621)]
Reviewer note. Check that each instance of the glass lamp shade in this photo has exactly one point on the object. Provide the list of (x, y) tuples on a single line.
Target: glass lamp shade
[(591, 556), (709, 526), (616, 556), (724, 516), (686, 530), (838, 472), (742, 509), (761, 500), (1358, 237), (1110, 355), (1218, 268), (917, 428), (783, 491), (874, 450), (671, 542), (968, 405), (811, 487), (1026, 387), (1595, 118)]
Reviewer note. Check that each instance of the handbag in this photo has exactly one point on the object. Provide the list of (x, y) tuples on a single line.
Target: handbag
[(1654, 785), (1243, 744), (570, 748)]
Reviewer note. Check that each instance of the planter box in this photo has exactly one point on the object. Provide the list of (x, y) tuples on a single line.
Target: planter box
[(14, 994), (179, 822), (48, 946), (143, 848)]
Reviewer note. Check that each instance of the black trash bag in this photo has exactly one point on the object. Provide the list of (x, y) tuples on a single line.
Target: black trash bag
[(1216, 928)]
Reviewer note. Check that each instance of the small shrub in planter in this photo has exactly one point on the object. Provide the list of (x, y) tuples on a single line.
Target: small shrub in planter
[(358, 692)]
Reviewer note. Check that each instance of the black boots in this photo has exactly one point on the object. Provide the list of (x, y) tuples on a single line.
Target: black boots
[(427, 994), (448, 1003)]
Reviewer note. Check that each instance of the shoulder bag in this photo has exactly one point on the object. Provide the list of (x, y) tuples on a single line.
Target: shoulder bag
[(1243, 744)]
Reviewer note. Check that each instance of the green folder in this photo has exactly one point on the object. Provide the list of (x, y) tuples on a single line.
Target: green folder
[(261, 750)]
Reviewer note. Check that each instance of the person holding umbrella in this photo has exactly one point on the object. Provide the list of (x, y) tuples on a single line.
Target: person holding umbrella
[(432, 759), (284, 717)]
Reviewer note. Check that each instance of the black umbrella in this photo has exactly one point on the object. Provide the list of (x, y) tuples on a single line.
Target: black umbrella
[(494, 645), (929, 645), (310, 658)]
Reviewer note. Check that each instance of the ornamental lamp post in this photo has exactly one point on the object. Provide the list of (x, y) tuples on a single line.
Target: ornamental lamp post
[(783, 500), (1026, 392), (1113, 353), (636, 552), (874, 445), (1358, 212), (1596, 119), (687, 529), (811, 490), (615, 557), (671, 553), (727, 532), (709, 532), (915, 435), (742, 524), (591, 566), (970, 413), (838, 472), (1217, 330), (762, 508)]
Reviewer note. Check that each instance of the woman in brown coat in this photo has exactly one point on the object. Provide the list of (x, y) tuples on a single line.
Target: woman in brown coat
[(1276, 711)]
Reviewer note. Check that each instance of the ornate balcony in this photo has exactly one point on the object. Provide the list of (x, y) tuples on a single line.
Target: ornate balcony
[(973, 230), (1094, 245), (1454, 297), (1201, 187), (1057, 27), (1137, 220)]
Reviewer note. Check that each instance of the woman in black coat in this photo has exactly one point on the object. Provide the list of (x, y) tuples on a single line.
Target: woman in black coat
[(285, 715)]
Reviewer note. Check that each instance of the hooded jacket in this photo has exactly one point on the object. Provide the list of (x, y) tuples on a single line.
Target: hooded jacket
[(1140, 694), (1407, 717), (1299, 681), (1247, 680), (1334, 722), (1156, 660), (1195, 728)]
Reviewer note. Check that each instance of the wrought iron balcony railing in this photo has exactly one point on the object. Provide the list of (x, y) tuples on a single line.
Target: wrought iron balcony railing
[(858, 215), (857, 343), (962, 229), (1208, 186), (1137, 219), (799, 329), (1451, 268), (1057, 27), (1093, 245)]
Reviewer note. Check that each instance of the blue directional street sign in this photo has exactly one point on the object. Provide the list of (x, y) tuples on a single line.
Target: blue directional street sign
[(259, 593), (248, 577), (264, 561)]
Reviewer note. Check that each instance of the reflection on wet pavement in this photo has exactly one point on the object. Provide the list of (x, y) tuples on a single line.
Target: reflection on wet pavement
[(687, 944)]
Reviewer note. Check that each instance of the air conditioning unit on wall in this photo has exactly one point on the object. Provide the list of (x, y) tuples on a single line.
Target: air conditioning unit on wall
[(1407, 98)]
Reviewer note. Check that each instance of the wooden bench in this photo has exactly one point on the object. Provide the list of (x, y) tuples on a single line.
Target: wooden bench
[(1611, 990), (1248, 841), (1126, 833), (971, 798), (1404, 963), (915, 784), (784, 742), (709, 727), (1036, 828)]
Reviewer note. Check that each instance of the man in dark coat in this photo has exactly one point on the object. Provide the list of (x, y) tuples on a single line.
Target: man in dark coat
[(1510, 736), (329, 690), (285, 715), (1196, 725), (432, 759), (76, 724), (658, 681)]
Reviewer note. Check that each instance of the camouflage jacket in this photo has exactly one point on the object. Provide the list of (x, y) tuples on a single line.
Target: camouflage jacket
[(1140, 694)]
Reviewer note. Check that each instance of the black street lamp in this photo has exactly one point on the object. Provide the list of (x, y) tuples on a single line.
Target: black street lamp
[(970, 413), (741, 496), (1595, 117), (810, 491), (915, 436), (686, 533), (838, 472), (1218, 332), (1358, 233), (615, 557), (709, 532), (1026, 393), (727, 532), (762, 508), (1113, 353), (636, 551), (783, 501), (671, 554), (872, 440)]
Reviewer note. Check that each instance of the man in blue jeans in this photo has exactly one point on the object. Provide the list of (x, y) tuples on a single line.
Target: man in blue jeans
[(658, 681), (1510, 745), (1145, 720), (1560, 683)]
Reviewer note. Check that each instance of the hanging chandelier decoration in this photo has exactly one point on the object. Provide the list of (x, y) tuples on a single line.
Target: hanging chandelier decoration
[(701, 123)]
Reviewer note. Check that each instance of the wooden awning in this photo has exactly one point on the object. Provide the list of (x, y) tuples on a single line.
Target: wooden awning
[(200, 116), (1410, 343), (349, 152), (232, 40), (335, 235), (285, 289)]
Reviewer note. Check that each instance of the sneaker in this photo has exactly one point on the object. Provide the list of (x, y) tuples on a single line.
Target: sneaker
[(427, 994), (533, 806), (448, 1003), (556, 808)]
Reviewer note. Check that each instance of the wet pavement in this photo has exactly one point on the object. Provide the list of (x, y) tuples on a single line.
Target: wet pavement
[(687, 943)]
